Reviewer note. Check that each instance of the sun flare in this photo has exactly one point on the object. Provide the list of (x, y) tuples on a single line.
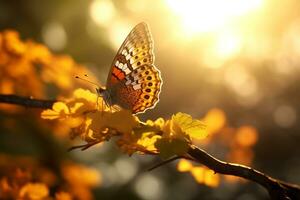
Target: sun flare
[(198, 16)]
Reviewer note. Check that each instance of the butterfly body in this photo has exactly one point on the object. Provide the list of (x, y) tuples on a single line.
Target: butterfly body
[(134, 82)]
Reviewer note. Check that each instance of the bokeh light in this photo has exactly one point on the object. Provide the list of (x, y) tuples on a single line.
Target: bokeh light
[(54, 35), (246, 136), (149, 187), (102, 12), (285, 116)]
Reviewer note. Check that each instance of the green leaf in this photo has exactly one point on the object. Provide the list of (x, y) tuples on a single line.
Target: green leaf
[(192, 127)]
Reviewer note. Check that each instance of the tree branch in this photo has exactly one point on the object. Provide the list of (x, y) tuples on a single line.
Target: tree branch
[(26, 101), (277, 189)]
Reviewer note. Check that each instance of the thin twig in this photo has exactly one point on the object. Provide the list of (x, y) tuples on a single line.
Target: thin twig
[(83, 147), (163, 163), (26, 101), (169, 160), (276, 188)]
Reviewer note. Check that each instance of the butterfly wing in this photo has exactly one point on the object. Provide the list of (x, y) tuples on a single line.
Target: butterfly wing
[(140, 89), (135, 50), (133, 79)]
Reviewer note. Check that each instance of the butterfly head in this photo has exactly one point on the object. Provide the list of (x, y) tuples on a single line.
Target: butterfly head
[(105, 94), (100, 91)]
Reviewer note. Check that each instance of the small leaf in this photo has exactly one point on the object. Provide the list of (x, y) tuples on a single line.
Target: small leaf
[(192, 127)]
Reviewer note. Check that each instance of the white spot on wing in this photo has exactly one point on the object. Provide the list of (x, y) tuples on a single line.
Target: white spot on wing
[(124, 52), (137, 86), (127, 71), (128, 57), (128, 82), (120, 65)]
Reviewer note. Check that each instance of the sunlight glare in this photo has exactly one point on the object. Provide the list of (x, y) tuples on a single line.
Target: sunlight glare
[(205, 16), (228, 44), (102, 12)]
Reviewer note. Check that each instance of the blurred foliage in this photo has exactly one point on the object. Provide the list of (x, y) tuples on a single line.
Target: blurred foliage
[(23, 177)]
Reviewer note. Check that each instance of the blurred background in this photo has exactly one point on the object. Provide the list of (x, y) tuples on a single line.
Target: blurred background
[(235, 64)]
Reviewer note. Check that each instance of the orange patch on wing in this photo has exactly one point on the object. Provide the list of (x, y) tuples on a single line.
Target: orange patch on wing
[(114, 79), (118, 73), (121, 75)]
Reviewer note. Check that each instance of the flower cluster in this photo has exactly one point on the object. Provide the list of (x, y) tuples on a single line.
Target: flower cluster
[(87, 117), (34, 181), (25, 67)]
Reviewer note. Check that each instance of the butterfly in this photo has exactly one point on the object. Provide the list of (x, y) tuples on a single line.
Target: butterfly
[(133, 83)]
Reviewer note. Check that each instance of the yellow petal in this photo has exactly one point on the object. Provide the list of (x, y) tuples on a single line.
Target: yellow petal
[(49, 114), (85, 94), (123, 121), (148, 140), (59, 110), (60, 107), (34, 191)]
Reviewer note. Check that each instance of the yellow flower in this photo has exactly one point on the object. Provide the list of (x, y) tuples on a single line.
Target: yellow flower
[(59, 110), (77, 174), (34, 191), (63, 196)]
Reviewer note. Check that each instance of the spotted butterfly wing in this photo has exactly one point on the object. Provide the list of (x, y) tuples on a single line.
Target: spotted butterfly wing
[(134, 82)]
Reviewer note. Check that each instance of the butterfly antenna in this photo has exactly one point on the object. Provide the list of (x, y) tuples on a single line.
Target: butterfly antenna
[(83, 79)]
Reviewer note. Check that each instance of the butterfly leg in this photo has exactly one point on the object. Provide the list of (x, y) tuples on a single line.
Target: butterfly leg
[(109, 104), (97, 104)]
